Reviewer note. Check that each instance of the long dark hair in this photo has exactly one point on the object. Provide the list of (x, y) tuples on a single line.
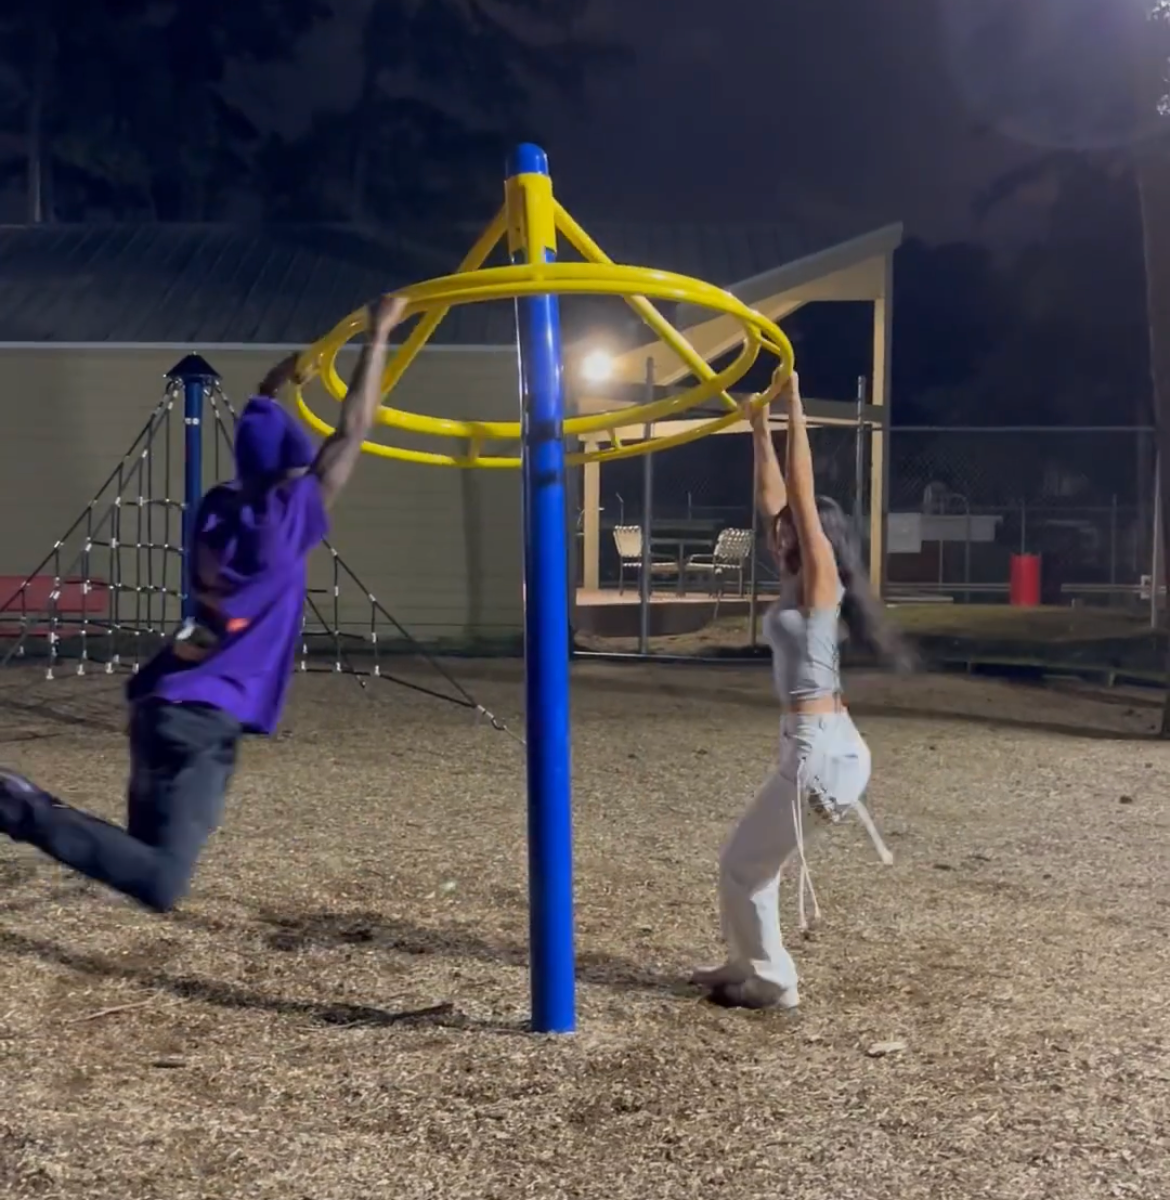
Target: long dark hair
[(862, 613)]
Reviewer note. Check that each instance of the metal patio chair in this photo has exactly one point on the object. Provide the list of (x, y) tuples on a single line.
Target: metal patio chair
[(628, 540), (727, 560)]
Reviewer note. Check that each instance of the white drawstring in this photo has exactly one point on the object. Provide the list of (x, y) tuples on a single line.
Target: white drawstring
[(875, 837), (805, 883)]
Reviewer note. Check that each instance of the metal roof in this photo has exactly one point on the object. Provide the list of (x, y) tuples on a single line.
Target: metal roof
[(207, 285)]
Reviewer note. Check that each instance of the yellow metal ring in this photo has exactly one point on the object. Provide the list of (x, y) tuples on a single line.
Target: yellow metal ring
[(436, 296)]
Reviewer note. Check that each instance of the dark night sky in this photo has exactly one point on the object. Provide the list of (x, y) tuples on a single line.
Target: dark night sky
[(831, 101), (902, 109), (759, 109), (738, 106)]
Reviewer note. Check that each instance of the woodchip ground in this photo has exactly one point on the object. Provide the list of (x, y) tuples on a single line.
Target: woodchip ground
[(338, 1010)]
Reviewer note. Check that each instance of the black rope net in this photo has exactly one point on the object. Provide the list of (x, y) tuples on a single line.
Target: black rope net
[(110, 591)]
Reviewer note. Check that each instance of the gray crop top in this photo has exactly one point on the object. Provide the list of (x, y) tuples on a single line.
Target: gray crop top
[(805, 654)]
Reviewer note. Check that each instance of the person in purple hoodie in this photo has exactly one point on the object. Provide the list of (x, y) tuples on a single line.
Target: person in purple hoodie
[(227, 671)]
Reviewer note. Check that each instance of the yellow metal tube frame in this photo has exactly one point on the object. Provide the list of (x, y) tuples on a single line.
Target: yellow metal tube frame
[(473, 284)]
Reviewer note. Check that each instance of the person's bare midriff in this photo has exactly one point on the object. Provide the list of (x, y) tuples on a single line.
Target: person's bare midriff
[(818, 706)]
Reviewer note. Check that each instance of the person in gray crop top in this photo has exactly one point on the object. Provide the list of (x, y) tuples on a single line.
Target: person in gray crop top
[(806, 662), (824, 762)]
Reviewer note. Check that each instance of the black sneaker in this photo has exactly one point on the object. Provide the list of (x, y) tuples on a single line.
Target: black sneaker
[(17, 794), (17, 785), (754, 993), (710, 978)]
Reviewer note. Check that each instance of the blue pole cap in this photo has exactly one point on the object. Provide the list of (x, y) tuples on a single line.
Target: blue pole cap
[(527, 159), (193, 367)]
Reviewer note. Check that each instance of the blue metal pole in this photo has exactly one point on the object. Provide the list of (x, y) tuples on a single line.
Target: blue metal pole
[(546, 612), (196, 375)]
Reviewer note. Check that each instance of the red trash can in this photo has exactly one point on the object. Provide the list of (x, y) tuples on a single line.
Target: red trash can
[(1024, 590)]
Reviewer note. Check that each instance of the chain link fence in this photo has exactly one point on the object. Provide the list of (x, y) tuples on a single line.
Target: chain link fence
[(700, 489), (709, 556), (961, 502)]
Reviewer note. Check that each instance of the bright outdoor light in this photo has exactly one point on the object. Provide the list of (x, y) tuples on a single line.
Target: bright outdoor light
[(597, 366)]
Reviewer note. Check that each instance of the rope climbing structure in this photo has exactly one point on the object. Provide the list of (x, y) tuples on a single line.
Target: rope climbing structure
[(115, 584)]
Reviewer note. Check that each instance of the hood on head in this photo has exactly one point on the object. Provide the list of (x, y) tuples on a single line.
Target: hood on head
[(269, 442)]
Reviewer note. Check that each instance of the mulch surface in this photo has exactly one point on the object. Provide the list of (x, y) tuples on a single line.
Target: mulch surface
[(338, 1010)]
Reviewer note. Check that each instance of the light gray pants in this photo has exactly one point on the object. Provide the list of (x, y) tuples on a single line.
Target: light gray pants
[(823, 770)]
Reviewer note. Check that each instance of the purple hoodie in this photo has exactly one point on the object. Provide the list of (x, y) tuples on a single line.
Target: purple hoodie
[(253, 537)]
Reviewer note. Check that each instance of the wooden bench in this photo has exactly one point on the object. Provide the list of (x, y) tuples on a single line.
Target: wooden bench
[(28, 606)]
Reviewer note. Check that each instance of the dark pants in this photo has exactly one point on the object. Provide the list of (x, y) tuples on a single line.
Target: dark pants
[(182, 758)]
